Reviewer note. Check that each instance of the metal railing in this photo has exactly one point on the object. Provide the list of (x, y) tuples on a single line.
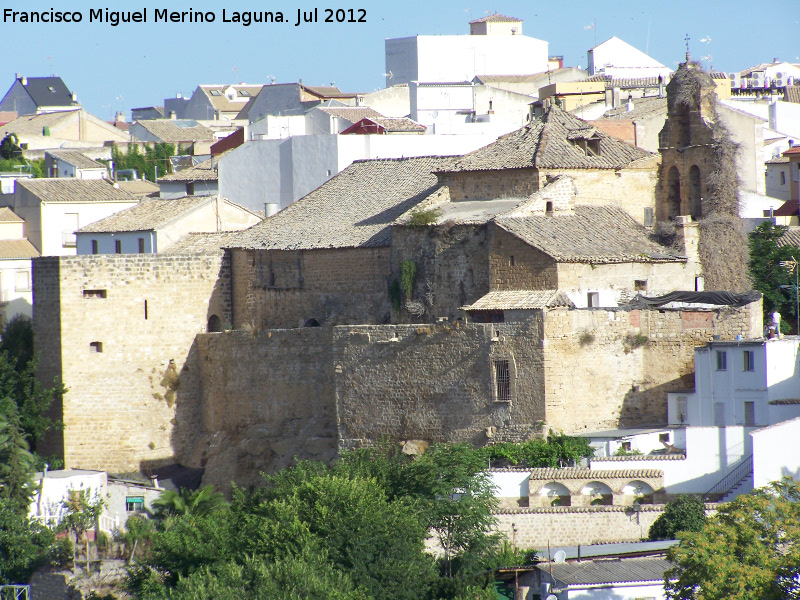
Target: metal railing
[(735, 476)]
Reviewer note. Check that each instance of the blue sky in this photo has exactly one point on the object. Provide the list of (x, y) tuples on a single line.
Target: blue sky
[(133, 65)]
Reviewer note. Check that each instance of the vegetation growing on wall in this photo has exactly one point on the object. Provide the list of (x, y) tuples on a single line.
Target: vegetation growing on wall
[(408, 277), (768, 275), (558, 450), (420, 217), (157, 154)]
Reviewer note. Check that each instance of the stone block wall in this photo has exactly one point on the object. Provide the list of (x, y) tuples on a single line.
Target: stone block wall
[(127, 355), (515, 265), (631, 188), (265, 397), (605, 369), (288, 288), (534, 528), (436, 382), (452, 267), (482, 185), (623, 276)]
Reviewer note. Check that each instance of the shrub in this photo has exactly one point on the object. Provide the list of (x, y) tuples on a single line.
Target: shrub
[(420, 217)]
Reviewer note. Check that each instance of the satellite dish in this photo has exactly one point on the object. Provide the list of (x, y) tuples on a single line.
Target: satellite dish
[(560, 556), (552, 597)]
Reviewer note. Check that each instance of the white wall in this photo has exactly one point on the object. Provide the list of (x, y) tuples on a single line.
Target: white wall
[(510, 484), (777, 186), (710, 454), (106, 242), (448, 58), (776, 452), (55, 488), (57, 224), (617, 591), (119, 492), (17, 298), (283, 171), (619, 59)]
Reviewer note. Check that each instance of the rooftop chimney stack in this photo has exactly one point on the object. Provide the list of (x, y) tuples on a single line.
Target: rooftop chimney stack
[(24, 80)]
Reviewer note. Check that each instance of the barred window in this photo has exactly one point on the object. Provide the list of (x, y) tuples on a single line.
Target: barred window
[(502, 380)]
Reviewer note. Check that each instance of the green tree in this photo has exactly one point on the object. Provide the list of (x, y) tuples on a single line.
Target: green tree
[(17, 465), (749, 550), (24, 544), (768, 275), (82, 513), (685, 513), (155, 155), (17, 340), (9, 147)]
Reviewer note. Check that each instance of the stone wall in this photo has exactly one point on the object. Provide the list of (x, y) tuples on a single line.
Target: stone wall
[(436, 382), (632, 188), (287, 288), (119, 331), (266, 398), (605, 369), (534, 528), (482, 185), (515, 265), (452, 267)]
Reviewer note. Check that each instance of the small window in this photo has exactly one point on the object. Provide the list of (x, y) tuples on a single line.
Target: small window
[(94, 246), (95, 293), (548, 207), (682, 408), (95, 346), (22, 281), (134, 503), (640, 285), (663, 438), (593, 299), (215, 93), (502, 380), (328, 172), (244, 93), (626, 446), (649, 216), (118, 246), (783, 177), (699, 284), (511, 261), (722, 360), (141, 245), (749, 363)]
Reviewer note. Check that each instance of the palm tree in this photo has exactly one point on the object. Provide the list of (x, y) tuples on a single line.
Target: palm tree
[(195, 503)]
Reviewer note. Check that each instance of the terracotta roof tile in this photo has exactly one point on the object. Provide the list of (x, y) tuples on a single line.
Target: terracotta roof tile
[(545, 144), (76, 190), (353, 209), (148, 215), (76, 159), (170, 130), (203, 243), (521, 300), (9, 216), (495, 18), (586, 473), (10, 249), (593, 234)]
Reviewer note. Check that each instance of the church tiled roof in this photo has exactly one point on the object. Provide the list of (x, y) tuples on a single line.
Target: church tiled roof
[(354, 209), (549, 144), (593, 234)]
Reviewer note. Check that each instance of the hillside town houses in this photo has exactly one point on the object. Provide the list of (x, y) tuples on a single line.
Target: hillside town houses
[(484, 250)]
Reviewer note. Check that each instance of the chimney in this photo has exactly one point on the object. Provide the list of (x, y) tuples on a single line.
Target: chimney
[(18, 75), (120, 118), (24, 81), (775, 61), (74, 97), (629, 104), (178, 95), (172, 115)]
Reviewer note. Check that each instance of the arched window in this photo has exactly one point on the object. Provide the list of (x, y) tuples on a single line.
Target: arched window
[(598, 492), (695, 192), (674, 192), (642, 492), (311, 323), (214, 324), (556, 494)]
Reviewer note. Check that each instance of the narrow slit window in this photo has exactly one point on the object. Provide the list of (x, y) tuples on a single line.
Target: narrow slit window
[(502, 378), (118, 246), (94, 246), (95, 293), (141, 245), (749, 360), (145, 310), (511, 260), (95, 346)]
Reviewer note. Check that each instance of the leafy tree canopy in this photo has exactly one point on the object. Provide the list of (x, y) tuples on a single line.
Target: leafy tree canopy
[(749, 550), (155, 155), (767, 273), (686, 513), (24, 544)]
